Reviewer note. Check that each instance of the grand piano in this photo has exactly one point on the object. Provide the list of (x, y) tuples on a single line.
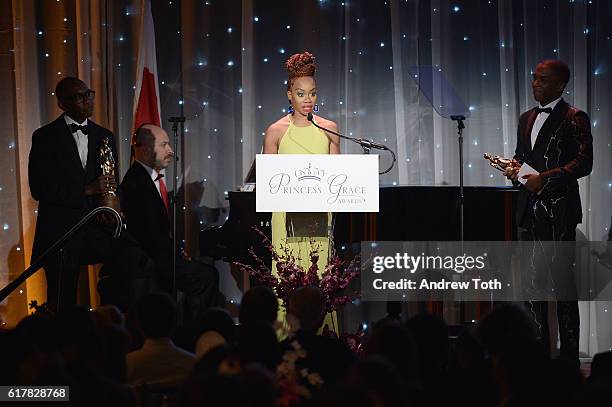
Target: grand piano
[(407, 213)]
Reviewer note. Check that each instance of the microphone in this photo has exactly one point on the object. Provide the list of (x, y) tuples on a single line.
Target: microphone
[(367, 145), (179, 119)]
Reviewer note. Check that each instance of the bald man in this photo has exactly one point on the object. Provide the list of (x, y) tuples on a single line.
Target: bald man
[(66, 179), (147, 207)]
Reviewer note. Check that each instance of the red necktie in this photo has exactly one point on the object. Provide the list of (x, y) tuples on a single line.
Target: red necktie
[(163, 191)]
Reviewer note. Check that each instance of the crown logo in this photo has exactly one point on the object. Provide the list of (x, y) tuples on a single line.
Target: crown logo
[(309, 172)]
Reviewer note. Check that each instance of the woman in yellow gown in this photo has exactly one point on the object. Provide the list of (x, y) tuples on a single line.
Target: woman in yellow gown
[(294, 134)]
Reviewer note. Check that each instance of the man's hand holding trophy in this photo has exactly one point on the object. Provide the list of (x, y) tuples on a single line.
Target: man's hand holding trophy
[(511, 168), (106, 185)]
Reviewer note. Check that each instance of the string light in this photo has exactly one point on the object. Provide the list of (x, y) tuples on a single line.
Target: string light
[(334, 111)]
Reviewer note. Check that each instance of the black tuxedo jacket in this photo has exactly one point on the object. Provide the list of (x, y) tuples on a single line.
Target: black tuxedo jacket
[(57, 179), (563, 153), (145, 214)]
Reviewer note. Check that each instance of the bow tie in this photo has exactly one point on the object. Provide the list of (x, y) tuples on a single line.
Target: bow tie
[(543, 110), (75, 127)]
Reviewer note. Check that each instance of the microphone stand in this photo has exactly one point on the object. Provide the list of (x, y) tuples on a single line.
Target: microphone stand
[(367, 145), (460, 126), (175, 122), (393, 308)]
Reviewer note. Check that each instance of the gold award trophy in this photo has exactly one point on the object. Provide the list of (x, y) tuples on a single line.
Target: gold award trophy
[(501, 163), (107, 163)]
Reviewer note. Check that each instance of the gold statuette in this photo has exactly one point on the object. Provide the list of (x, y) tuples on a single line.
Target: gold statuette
[(501, 163), (107, 163)]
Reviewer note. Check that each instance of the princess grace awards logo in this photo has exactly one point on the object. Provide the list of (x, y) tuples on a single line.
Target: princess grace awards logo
[(335, 188)]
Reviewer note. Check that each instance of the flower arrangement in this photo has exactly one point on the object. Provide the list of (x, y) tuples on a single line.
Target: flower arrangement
[(296, 382), (336, 276)]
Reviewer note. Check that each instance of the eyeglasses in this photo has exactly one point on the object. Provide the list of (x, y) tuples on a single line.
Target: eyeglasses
[(83, 96)]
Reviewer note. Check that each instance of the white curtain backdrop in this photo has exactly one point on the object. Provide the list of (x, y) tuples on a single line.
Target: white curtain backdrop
[(221, 65)]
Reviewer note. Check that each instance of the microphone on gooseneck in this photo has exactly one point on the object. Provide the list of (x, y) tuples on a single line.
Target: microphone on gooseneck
[(367, 145), (363, 143)]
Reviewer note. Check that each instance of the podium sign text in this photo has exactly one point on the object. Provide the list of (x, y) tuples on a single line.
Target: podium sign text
[(316, 183)]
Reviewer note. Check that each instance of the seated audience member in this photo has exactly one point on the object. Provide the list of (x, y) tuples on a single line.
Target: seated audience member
[(259, 304), (30, 353), (373, 381), (208, 341), (109, 315), (220, 362), (430, 335), (257, 343), (83, 349), (469, 371), (159, 361), (115, 338), (392, 342), (596, 391), (214, 325), (520, 364), (601, 367), (326, 356), (221, 378)]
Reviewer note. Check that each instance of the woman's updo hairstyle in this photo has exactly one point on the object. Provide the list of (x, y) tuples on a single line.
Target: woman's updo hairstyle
[(299, 65)]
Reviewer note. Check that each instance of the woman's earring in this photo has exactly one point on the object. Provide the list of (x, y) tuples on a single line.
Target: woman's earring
[(316, 108), (290, 108)]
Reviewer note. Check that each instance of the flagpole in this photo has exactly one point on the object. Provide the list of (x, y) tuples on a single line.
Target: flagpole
[(175, 133), (178, 138)]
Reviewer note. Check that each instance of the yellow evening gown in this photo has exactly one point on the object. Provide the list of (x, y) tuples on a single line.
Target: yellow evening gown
[(296, 230)]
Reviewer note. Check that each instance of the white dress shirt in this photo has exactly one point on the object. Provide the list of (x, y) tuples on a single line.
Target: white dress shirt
[(540, 120), (153, 173), (80, 139), (159, 362)]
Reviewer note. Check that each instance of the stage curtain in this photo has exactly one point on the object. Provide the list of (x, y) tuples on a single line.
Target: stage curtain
[(221, 66), (47, 41)]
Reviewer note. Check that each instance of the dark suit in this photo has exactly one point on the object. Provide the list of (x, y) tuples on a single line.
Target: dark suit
[(146, 218), (149, 223), (562, 153), (57, 181)]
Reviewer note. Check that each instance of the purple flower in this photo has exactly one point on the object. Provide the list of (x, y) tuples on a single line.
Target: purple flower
[(336, 275)]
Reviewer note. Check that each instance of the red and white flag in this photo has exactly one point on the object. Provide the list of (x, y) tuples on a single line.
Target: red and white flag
[(146, 98)]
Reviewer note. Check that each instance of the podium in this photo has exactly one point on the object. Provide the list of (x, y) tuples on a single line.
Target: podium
[(316, 183)]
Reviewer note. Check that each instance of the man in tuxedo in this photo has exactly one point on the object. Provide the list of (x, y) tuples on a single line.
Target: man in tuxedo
[(555, 140), (148, 208), (66, 179)]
